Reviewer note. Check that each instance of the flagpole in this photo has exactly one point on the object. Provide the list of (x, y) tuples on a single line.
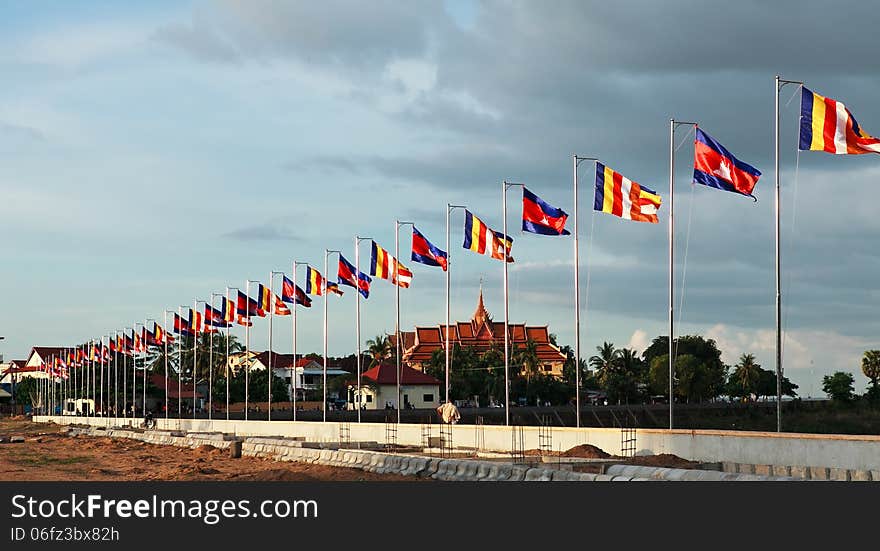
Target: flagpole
[(211, 363), (396, 276), (293, 375), (116, 376), (576, 161), (101, 391), (271, 317), (357, 298), (228, 370), (673, 124), (324, 405), (779, 84), (179, 365), (165, 343), (449, 209), (247, 342), (504, 187), (146, 350)]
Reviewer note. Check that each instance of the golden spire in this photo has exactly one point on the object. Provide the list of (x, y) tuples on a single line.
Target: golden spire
[(481, 316)]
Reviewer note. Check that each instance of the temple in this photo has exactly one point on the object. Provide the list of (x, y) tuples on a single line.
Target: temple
[(481, 334)]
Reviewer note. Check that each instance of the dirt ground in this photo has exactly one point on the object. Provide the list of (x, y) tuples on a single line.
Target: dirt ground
[(49, 454)]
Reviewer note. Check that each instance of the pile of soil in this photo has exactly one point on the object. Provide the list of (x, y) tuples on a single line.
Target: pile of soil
[(662, 460), (588, 451)]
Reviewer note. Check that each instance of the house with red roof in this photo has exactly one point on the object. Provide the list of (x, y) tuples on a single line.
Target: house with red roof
[(480, 333), (379, 389)]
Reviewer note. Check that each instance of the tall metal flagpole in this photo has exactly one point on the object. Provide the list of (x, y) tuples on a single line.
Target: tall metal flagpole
[(504, 187), (247, 344), (293, 375), (576, 160), (146, 349), (124, 376), (134, 375), (101, 391), (779, 84), (179, 367), (116, 376), (195, 332), (324, 292), (165, 344), (449, 209), (271, 316), (228, 368), (357, 298), (211, 363), (673, 124), (396, 281)]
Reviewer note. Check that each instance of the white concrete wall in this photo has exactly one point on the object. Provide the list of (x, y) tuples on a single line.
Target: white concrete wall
[(757, 448)]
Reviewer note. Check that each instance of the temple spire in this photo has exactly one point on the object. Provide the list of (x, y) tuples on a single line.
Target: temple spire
[(481, 316)]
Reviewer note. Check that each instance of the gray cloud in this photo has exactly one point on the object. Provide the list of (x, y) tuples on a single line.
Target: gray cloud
[(263, 232)]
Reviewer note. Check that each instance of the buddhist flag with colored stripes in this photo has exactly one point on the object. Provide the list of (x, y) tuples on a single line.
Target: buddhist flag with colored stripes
[(333, 287), (383, 265), (624, 198), (827, 125), (270, 302), (479, 238), (314, 281)]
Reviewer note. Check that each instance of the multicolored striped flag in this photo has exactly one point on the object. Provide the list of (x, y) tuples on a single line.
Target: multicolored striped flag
[(424, 252), (333, 287), (270, 302), (478, 237), (541, 217), (624, 198), (314, 281), (715, 166), (291, 293), (827, 125), (383, 265), (349, 275)]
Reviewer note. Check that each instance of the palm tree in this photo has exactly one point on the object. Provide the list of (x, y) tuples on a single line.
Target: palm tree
[(527, 357), (747, 373), (871, 367), (605, 361), (379, 349)]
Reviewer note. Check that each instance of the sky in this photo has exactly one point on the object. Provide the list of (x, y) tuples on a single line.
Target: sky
[(154, 153)]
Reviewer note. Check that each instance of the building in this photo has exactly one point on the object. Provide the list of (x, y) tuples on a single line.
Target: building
[(32, 367), (182, 393), (379, 389), (307, 373), (480, 333)]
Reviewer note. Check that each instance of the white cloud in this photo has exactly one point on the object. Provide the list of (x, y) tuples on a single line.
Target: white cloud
[(73, 47), (639, 341)]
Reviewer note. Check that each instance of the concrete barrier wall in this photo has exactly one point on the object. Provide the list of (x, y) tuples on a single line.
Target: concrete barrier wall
[(754, 448)]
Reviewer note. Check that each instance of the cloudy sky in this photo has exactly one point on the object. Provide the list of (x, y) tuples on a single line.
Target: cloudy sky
[(154, 153)]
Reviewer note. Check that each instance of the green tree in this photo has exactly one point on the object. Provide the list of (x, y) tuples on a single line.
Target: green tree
[(746, 375), (27, 392), (709, 376), (839, 386), (380, 349), (871, 369), (767, 385)]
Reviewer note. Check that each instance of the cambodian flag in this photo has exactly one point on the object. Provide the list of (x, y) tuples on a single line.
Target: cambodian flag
[(715, 166), (290, 292), (346, 275), (541, 217), (424, 252)]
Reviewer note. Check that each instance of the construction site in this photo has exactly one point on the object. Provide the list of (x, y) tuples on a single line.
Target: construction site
[(118, 449)]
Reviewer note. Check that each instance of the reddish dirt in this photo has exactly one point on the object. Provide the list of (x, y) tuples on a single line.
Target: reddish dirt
[(662, 460), (586, 450), (49, 454)]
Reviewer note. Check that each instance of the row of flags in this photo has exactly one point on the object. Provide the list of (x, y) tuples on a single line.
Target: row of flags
[(825, 125)]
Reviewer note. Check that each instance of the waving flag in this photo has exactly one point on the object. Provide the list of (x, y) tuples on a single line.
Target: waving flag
[(215, 317), (227, 311), (541, 217), (333, 287), (426, 253), (291, 293), (383, 265), (314, 281), (195, 321), (346, 275), (181, 326), (479, 238), (161, 335), (827, 125), (715, 166), (137, 344), (624, 198), (270, 302), (249, 307)]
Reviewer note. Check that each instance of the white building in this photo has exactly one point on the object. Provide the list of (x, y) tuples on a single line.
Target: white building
[(379, 389), (306, 374)]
